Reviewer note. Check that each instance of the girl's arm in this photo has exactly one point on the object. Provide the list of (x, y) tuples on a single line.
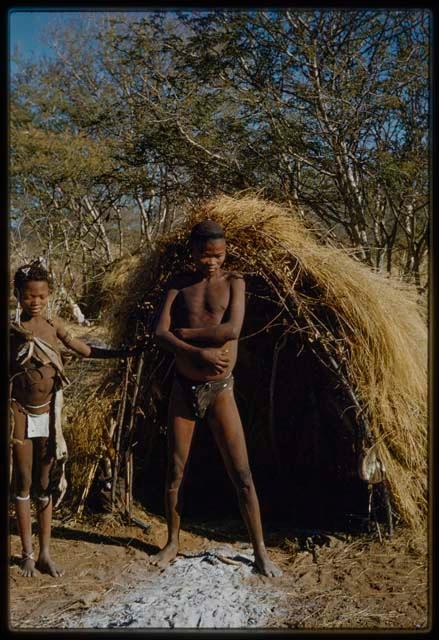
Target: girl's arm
[(230, 330), (86, 350)]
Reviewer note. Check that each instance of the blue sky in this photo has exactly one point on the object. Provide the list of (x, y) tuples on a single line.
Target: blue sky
[(27, 30)]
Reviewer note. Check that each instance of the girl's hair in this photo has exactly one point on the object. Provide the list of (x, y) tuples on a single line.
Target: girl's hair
[(32, 271)]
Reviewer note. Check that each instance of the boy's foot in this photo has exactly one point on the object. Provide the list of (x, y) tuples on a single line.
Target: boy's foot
[(45, 564), (165, 556), (266, 566), (27, 565)]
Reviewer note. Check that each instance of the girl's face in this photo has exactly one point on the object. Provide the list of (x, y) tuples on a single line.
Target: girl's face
[(34, 297), (209, 256)]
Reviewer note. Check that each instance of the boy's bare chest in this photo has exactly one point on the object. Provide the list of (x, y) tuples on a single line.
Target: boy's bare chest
[(211, 298)]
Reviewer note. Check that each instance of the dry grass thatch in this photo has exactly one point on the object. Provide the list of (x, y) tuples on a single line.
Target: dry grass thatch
[(371, 326), (87, 440)]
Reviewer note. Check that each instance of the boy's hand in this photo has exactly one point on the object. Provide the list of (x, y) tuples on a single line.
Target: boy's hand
[(216, 359), (181, 333)]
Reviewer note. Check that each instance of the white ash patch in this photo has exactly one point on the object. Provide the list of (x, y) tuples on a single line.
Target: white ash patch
[(200, 590)]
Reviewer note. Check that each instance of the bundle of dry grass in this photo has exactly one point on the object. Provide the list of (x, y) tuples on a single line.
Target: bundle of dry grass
[(87, 440), (368, 325)]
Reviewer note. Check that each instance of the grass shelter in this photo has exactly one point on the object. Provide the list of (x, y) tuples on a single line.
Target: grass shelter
[(331, 377)]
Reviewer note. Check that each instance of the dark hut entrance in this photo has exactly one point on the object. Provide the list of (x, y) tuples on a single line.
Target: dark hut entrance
[(300, 431)]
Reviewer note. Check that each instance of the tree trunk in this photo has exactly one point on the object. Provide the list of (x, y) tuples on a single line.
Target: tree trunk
[(100, 226)]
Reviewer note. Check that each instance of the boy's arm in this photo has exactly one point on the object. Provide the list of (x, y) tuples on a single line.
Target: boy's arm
[(215, 360), (229, 330), (86, 350), (163, 333)]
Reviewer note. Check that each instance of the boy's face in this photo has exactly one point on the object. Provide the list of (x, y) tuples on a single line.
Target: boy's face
[(34, 297), (209, 255)]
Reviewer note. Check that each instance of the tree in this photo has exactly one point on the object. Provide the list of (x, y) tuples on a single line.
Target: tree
[(338, 103), (139, 116)]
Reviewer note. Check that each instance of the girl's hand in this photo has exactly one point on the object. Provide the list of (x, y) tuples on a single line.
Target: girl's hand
[(133, 351), (97, 352)]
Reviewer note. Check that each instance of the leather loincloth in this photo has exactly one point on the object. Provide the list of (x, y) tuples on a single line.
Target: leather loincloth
[(201, 395), (39, 350)]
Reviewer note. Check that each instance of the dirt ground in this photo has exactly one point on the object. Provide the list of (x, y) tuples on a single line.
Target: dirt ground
[(329, 581)]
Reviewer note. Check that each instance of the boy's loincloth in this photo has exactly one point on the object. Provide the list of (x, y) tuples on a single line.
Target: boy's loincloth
[(201, 395)]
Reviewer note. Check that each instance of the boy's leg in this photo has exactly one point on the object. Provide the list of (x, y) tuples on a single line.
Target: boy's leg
[(22, 454), (181, 423), (225, 422), (45, 461)]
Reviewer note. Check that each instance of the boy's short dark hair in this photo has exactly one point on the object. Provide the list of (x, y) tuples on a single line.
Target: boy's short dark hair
[(32, 271), (206, 230)]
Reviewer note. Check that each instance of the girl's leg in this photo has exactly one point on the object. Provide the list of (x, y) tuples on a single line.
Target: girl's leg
[(181, 424), (22, 454), (45, 460)]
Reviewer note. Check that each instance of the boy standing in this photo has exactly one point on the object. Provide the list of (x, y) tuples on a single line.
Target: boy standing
[(200, 322)]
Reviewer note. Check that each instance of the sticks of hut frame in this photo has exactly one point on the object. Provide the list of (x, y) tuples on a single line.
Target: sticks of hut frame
[(88, 484), (117, 430), (119, 427), (129, 439), (124, 443), (128, 482), (93, 469), (92, 473)]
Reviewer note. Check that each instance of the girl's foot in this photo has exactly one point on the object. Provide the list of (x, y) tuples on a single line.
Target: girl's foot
[(27, 565), (165, 556), (45, 564)]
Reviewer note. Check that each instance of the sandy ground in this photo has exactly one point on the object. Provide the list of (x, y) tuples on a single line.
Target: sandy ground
[(328, 581)]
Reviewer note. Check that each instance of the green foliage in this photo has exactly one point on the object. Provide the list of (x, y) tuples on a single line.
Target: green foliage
[(326, 108)]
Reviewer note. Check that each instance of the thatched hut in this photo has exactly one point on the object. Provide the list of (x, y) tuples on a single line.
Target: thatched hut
[(331, 373)]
